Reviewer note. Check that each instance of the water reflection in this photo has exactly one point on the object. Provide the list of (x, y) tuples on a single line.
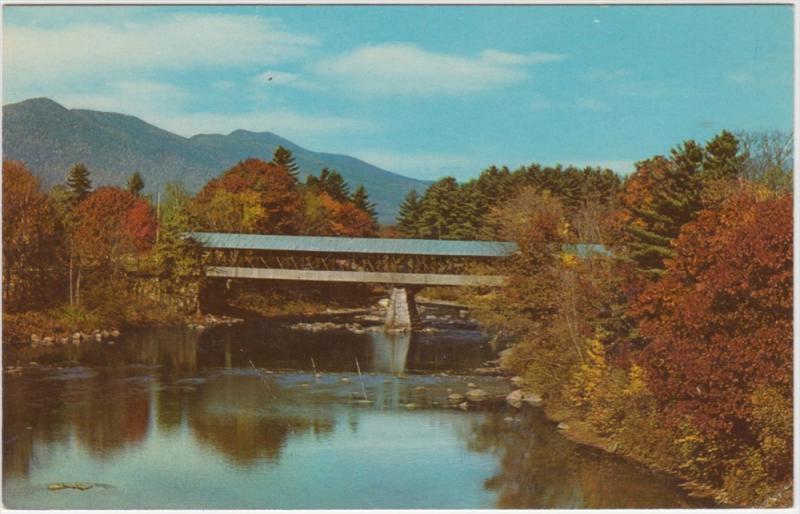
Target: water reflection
[(174, 418), (390, 351), (541, 468), (236, 414)]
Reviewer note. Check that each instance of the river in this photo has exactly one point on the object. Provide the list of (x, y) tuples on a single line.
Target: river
[(235, 417)]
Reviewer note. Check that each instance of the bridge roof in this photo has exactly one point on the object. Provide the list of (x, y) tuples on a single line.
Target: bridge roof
[(354, 245)]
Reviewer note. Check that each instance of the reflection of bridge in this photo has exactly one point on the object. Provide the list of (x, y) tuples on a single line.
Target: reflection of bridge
[(399, 262)]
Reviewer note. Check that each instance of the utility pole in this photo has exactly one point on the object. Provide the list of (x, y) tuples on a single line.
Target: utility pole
[(158, 214)]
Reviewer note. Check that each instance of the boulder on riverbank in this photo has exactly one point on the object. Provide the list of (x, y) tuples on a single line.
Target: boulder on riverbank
[(97, 335), (517, 397), (211, 320)]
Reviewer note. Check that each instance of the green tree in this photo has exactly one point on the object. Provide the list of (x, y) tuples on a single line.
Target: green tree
[(330, 182), (661, 197), (408, 217), (136, 184), (440, 209), (723, 160), (79, 183), (361, 200), (178, 256), (283, 157)]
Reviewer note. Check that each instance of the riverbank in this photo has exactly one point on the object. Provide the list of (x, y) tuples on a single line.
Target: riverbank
[(572, 426)]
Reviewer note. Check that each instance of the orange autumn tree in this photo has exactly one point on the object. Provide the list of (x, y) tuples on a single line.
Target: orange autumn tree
[(30, 236), (718, 334), (110, 224), (254, 197), (345, 219)]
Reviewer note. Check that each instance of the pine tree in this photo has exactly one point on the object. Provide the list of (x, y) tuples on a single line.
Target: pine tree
[(136, 184), (408, 217), (79, 183), (675, 193), (283, 157), (361, 200), (723, 161), (330, 182), (440, 207), (468, 214)]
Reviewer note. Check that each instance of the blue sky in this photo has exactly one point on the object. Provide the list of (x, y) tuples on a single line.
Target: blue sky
[(424, 91)]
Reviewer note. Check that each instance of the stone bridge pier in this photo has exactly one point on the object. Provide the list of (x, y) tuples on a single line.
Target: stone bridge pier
[(402, 313)]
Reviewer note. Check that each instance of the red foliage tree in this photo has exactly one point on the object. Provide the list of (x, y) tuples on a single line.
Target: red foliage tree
[(718, 324), (346, 219), (30, 235), (140, 225), (112, 222), (276, 187)]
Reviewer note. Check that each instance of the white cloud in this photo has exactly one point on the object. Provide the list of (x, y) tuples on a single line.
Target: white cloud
[(404, 68), (179, 41), (283, 78), (289, 124), (127, 96), (162, 105)]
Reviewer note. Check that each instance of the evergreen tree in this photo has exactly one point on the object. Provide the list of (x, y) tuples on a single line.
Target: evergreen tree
[(570, 188), (408, 218), (330, 182), (78, 183), (674, 193), (440, 208), (361, 200), (723, 161), (468, 214), (136, 184), (283, 157)]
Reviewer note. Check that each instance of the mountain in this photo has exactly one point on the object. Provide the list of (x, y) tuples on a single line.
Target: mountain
[(50, 139)]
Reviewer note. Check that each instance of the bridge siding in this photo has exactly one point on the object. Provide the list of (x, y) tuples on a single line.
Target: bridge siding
[(421, 279)]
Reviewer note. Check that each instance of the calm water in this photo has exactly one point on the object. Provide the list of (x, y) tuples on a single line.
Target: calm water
[(235, 418)]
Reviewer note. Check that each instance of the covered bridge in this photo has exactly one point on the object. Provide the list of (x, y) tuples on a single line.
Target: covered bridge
[(400, 262)]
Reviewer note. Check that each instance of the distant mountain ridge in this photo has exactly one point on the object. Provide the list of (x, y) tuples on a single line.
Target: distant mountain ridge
[(50, 139)]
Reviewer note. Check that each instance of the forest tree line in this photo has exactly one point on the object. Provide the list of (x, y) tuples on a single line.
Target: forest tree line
[(74, 247)]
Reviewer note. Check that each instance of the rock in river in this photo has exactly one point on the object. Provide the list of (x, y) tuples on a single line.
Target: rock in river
[(477, 395), (514, 398), (456, 398), (58, 486), (517, 381)]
